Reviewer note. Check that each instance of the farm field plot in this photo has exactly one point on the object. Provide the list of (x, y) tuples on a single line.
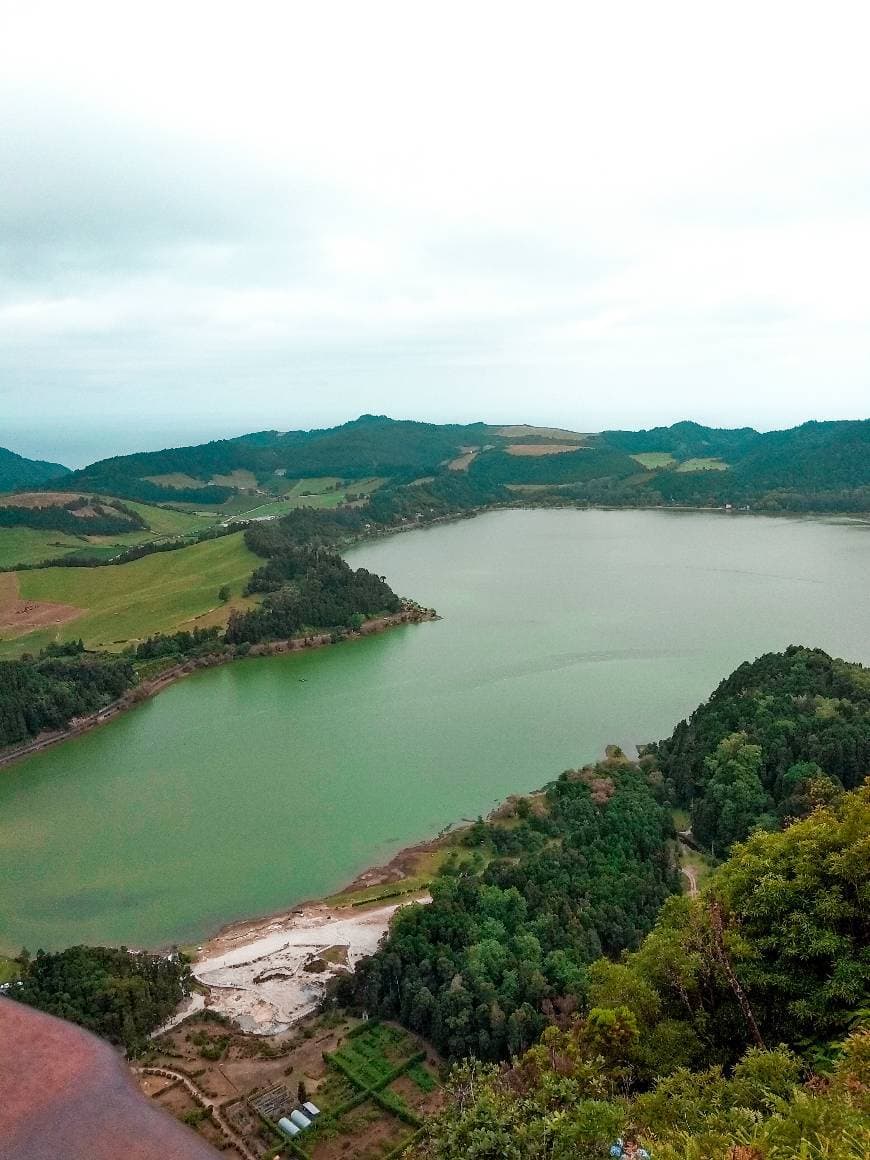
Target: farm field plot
[(653, 459), (163, 521), (703, 465), (158, 593), (317, 493), (175, 479), (33, 546), (378, 1088), (238, 478), (542, 448), (523, 430), (257, 1079)]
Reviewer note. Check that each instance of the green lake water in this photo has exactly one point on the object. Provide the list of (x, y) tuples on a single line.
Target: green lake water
[(247, 788)]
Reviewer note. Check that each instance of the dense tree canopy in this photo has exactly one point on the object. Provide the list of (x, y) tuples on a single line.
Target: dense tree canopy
[(479, 969), (759, 748), (44, 694), (696, 1043), (119, 994)]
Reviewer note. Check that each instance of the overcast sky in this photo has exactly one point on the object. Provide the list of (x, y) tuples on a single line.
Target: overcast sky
[(219, 218)]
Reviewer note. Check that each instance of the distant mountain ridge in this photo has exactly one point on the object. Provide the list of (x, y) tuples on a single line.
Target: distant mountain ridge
[(16, 471), (816, 466)]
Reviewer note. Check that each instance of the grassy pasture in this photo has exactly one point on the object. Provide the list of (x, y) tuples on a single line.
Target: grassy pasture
[(653, 459), (524, 431), (9, 970), (701, 464), (33, 545), (541, 448), (164, 521), (238, 478), (319, 492), (159, 593)]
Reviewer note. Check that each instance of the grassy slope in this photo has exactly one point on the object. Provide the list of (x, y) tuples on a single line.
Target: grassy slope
[(653, 459), (32, 546), (29, 546), (706, 464), (159, 593)]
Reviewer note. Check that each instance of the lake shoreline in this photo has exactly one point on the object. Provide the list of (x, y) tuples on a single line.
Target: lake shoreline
[(429, 728), (410, 614)]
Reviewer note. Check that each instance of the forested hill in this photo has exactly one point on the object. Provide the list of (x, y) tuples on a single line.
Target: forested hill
[(814, 467), (776, 734), (16, 471), (737, 1031), (738, 1028), (369, 446)]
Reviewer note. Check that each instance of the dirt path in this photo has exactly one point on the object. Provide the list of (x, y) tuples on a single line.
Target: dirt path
[(203, 1100), (693, 881)]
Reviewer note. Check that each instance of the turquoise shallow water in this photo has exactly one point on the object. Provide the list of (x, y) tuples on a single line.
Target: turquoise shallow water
[(246, 788)]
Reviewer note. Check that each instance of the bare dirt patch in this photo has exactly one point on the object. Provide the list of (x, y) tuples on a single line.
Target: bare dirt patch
[(34, 499), (542, 448), (461, 462), (175, 479), (525, 431), (18, 616), (256, 973)]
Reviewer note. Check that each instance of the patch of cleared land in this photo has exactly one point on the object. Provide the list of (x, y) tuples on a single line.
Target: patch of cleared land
[(343, 1065), (9, 970), (238, 478), (462, 462), (18, 616), (127, 602), (163, 521), (34, 546), (653, 459), (524, 431), (175, 479), (34, 499), (542, 448), (703, 465), (266, 977)]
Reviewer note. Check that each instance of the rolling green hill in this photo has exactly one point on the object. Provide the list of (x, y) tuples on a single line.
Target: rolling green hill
[(16, 471)]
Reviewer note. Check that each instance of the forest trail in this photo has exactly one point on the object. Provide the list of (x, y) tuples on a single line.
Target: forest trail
[(693, 881)]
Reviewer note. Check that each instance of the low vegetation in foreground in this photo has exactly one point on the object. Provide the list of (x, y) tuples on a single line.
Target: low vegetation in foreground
[(739, 1029)]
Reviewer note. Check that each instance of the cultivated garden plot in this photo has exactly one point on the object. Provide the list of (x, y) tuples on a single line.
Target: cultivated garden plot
[(379, 1085), (374, 1084)]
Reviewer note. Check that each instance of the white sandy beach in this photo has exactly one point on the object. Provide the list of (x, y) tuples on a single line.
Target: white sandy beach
[(256, 975)]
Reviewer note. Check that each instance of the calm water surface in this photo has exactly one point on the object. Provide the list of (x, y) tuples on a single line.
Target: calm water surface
[(247, 788)]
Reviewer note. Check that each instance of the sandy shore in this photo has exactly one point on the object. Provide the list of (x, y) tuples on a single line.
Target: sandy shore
[(268, 974)]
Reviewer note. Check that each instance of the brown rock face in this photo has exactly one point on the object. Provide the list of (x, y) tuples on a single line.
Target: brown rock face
[(65, 1093)]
